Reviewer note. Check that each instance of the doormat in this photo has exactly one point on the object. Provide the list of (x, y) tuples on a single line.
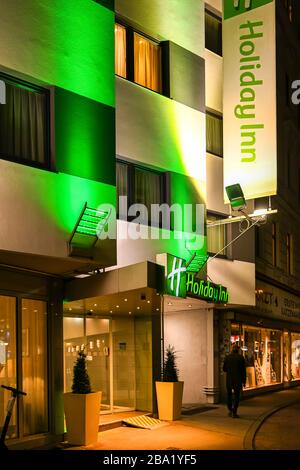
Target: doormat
[(195, 410), (144, 422)]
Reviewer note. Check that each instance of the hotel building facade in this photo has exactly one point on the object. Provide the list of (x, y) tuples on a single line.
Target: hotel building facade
[(105, 100)]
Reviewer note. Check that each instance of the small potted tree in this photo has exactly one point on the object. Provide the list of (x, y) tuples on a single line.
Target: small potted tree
[(82, 406), (169, 392)]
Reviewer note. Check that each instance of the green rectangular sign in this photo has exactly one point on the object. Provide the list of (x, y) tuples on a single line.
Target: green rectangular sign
[(181, 283), (237, 7)]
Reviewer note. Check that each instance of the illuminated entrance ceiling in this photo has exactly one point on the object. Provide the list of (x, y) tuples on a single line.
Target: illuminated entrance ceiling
[(135, 302)]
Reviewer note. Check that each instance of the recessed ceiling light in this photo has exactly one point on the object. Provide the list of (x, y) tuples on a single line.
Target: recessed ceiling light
[(157, 309), (110, 311), (138, 308), (91, 310), (118, 306), (95, 305), (82, 276), (170, 303), (125, 300), (148, 301), (190, 306), (129, 313), (70, 309)]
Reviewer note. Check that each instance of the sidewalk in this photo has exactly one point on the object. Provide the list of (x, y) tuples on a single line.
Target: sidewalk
[(209, 430)]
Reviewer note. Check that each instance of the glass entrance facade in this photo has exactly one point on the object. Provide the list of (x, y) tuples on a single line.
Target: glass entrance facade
[(24, 362), (114, 367)]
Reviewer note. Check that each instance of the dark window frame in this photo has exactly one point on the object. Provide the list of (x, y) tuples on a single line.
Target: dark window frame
[(18, 82), (219, 50), (274, 232), (218, 216), (164, 59), (131, 167), (216, 115)]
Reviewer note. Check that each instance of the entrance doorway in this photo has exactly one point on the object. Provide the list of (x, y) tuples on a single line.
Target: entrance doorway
[(110, 347)]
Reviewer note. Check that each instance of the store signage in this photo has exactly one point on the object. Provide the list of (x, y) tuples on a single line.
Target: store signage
[(277, 303), (181, 283), (249, 110)]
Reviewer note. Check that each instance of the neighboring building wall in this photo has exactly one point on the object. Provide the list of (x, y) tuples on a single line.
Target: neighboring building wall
[(288, 142)]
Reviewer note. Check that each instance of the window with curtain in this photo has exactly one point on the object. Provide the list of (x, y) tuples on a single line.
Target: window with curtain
[(213, 33), (216, 236), (147, 63), (120, 50), (147, 188), (23, 124), (214, 134), (140, 185)]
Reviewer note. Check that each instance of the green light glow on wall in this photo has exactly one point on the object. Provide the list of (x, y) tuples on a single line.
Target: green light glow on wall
[(66, 43)]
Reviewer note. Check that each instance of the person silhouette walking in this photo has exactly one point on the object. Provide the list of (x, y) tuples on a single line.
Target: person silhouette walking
[(235, 368)]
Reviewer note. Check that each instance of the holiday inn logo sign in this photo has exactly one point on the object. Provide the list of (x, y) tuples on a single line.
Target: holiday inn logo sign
[(250, 96), (181, 283)]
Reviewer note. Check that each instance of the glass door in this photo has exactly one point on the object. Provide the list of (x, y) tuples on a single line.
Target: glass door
[(109, 346), (99, 358), (92, 335)]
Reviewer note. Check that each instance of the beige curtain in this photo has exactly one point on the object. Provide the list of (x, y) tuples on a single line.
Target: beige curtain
[(8, 366), (23, 124), (147, 63), (34, 366), (120, 50)]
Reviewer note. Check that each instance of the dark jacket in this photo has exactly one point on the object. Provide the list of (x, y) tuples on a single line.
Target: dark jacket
[(234, 366)]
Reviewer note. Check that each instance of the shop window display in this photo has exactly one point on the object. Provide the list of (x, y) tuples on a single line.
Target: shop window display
[(287, 376), (295, 356), (261, 348)]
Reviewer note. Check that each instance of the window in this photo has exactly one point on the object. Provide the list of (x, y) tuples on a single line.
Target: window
[(295, 356), (214, 134), (25, 366), (24, 129), (138, 58), (213, 33), (288, 4), (289, 254), (216, 236), (34, 365), (140, 185), (147, 63), (120, 50), (8, 359), (261, 348), (274, 244)]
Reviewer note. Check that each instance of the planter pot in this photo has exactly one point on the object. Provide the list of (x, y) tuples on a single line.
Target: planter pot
[(169, 400), (82, 417)]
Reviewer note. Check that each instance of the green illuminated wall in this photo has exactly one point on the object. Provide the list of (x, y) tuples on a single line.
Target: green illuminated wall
[(65, 43), (69, 46), (84, 137)]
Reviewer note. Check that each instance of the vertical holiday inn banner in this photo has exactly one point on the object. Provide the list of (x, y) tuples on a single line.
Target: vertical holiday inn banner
[(249, 111)]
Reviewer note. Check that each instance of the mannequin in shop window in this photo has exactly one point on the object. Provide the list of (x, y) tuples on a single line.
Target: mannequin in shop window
[(235, 368)]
